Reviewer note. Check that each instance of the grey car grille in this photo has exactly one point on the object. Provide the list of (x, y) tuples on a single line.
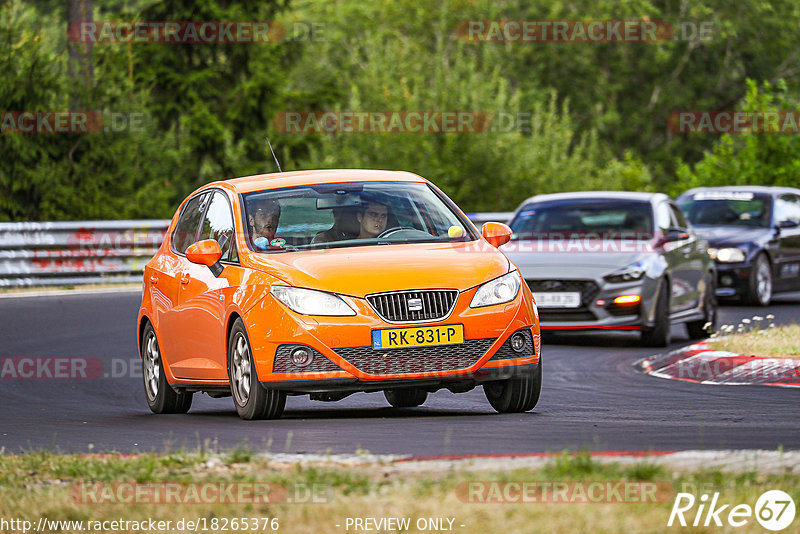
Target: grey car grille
[(400, 306), (587, 288), (416, 359)]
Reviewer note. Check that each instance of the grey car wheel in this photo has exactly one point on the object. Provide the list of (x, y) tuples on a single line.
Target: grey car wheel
[(251, 399), (658, 335), (708, 325), (760, 282), (161, 398)]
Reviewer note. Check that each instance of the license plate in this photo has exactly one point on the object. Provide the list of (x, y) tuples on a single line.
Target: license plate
[(571, 299), (419, 336)]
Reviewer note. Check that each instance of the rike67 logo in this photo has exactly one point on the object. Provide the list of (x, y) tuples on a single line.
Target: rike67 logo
[(774, 510)]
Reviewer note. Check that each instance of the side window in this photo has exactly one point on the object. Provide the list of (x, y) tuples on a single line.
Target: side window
[(186, 230), (663, 216), (678, 218), (787, 208), (218, 225)]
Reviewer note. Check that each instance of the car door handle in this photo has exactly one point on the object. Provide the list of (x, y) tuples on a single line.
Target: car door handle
[(153, 279), (185, 278)]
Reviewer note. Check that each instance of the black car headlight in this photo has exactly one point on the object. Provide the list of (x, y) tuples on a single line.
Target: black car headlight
[(727, 255)]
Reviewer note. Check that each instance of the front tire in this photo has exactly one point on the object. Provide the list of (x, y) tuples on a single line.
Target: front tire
[(658, 335), (705, 327), (161, 398), (759, 286), (251, 399), (515, 395), (406, 397)]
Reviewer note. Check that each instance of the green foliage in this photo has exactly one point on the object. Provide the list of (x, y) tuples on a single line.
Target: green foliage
[(585, 116), (749, 158)]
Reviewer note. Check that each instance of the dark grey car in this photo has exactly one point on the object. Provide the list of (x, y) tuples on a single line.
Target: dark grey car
[(614, 261)]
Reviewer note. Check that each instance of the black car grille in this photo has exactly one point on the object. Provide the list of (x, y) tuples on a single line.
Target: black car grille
[(283, 363), (416, 359), (436, 304), (505, 352), (587, 288)]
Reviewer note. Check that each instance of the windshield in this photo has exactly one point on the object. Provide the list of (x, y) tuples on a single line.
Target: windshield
[(608, 219), (350, 214), (726, 208)]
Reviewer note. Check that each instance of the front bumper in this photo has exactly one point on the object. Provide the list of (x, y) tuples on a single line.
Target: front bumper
[(597, 310), (733, 279), (345, 360)]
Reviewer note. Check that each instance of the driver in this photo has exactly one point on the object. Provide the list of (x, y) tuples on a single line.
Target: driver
[(263, 220), (372, 219)]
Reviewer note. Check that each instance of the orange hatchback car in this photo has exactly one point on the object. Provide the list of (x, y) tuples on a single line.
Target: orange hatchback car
[(331, 282)]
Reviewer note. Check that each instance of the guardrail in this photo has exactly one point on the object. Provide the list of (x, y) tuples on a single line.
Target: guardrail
[(91, 252)]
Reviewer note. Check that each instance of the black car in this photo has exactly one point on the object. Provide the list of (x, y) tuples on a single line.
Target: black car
[(754, 236)]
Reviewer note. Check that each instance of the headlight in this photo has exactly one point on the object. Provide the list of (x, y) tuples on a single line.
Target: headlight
[(727, 255), (310, 302), (498, 291), (630, 273)]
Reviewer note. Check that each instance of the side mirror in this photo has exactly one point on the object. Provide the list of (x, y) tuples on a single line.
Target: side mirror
[(676, 234), (206, 252), (496, 233), (788, 223)]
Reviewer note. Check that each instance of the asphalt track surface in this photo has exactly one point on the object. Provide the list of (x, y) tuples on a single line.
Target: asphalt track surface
[(592, 399)]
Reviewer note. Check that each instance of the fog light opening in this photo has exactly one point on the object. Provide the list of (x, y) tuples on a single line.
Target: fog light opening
[(301, 357), (628, 299), (518, 342)]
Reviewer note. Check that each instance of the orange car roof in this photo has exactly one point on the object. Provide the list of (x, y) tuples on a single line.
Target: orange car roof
[(277, 180)]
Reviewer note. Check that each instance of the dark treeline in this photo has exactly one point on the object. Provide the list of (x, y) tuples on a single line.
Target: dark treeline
[(565, 115)]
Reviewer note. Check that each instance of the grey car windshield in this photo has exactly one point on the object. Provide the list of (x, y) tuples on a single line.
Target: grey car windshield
[(350, 214), (726, 208), (603, 218)]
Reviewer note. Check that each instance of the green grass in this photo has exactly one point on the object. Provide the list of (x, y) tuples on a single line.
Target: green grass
[(38, 484)]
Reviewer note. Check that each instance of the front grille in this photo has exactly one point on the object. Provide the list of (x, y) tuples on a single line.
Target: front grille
[(416, 359), (587, 288), (283, 363), (436, 304), (505, 352)]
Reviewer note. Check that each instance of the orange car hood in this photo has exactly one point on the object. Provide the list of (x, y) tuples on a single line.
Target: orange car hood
[(359, 271)]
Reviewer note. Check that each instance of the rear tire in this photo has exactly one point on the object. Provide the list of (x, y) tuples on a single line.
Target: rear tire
[(698, 329), (515, 395), (161, 398), (759, 285), (406, 397), (658, 335), (251, 399)]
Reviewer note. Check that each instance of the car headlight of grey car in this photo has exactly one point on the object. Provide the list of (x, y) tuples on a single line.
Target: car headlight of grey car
[(634, 271)]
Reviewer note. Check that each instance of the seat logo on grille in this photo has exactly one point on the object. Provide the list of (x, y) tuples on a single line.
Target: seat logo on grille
[(549, 285), (414, 304)]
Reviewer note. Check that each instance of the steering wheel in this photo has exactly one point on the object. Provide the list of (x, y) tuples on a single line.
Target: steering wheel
[(390, 231)]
